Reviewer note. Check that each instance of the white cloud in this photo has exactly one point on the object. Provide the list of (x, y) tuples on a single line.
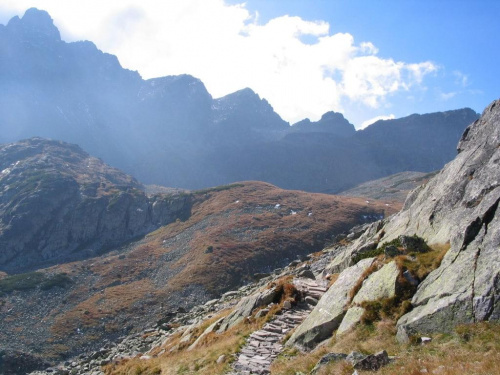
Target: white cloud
[(371, 121), (228, 49), (461, 79), (447, 95)]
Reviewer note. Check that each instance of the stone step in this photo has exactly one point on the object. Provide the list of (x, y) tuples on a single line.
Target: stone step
[(318, 289)]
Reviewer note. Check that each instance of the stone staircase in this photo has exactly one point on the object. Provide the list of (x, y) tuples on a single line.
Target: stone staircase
[(264, 345)]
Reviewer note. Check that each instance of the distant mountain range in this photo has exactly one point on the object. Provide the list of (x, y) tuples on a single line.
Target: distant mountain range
[(170, 131)]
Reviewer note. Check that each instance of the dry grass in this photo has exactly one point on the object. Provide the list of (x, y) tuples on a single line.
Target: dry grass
[(425, 263), (473, 349), (246, 232), (200, 360), (90, 312)]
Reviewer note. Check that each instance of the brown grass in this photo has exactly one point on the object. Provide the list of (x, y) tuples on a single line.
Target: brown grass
[(473, 349), (332, 279), (200, 360), (110, 303), (245, 236), (424, 263)]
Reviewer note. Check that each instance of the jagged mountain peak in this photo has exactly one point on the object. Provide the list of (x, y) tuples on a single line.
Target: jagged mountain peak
[(330, 122), (35, 24), (245, 109), (173, 85), (241, 97)]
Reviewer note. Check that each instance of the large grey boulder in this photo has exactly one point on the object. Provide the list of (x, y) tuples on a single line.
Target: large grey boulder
[(380, 284), (245, 307), (460, 206), (351, 318), (366, 241), (330, 310)]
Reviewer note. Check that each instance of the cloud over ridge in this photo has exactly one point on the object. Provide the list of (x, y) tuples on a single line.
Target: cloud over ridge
[(299, 66)]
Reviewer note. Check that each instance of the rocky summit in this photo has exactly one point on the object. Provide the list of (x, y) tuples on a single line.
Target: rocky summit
[(426, 276)]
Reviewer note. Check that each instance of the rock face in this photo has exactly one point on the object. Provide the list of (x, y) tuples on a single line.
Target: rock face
[(460, 206), (380, 284), (330, 310), (393, 188), (245, 307), (58, 203), (76, 93)]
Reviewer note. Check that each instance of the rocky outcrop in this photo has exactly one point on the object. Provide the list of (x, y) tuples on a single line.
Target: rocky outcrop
[(245, 307), (380, 284), (58, 204), (460, 206), (330, 310)]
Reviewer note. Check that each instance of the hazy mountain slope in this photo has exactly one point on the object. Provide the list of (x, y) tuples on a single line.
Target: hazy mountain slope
[(392, 188), (421, 143), (170, 131)]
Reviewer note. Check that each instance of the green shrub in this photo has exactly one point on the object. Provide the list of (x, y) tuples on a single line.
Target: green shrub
[(22, 281), (31, 280), (61, 280), (367, 254)]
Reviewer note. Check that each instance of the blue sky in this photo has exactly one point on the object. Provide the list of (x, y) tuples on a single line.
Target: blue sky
[(457, 35), (366, 59)]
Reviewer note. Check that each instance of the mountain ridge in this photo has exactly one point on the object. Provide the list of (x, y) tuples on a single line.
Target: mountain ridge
[(170, 131)]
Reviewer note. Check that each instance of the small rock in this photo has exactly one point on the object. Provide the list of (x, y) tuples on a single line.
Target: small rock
[(327, 358), (307, 274), (425, 340), (221, 359), (413, 244), (373, 361), (261, 313), (311, 300), (230, 294), (409, 277), (287, 305), (354, 357)]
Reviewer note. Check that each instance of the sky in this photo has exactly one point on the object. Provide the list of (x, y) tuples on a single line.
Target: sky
[(367, 59)]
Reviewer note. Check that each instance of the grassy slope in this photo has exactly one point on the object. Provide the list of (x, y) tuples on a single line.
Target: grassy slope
[(471, 349), (134, 285)]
